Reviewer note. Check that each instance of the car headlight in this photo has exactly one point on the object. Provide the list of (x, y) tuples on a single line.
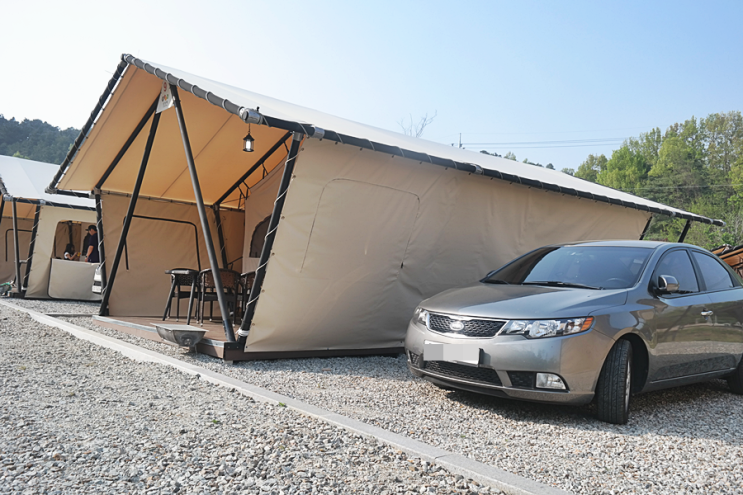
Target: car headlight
[(534, 329), (421, 316)]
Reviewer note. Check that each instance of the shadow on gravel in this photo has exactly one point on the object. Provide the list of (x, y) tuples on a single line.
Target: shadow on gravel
[(381, 367), (706, 411)]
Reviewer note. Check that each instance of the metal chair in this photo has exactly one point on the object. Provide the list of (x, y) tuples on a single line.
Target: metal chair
[(181, 277), (208, 291)]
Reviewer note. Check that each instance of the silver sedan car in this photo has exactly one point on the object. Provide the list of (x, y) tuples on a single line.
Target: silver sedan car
[(594, 320)]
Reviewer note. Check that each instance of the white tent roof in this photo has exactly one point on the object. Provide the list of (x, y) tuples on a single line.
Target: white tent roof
[(256, 108), (26, 179)]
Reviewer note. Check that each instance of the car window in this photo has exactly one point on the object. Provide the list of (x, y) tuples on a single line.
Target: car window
[(606, 267), (715, 276), (678, 265)]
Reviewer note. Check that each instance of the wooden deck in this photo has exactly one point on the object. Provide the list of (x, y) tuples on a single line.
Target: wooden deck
[(215, 343)]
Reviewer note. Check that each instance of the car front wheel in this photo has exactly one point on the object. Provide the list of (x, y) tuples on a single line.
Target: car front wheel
[(735, 381), (615, 384)]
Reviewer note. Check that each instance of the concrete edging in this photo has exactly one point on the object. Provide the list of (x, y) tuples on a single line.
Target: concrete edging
[(509, 483)]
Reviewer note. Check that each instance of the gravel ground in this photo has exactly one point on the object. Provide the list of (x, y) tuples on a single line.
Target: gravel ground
[(684, 440), (78, 418)]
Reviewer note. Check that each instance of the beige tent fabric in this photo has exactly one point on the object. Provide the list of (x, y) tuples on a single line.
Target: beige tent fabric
[(153, 246), (216, 140), (365, 237), (72, 280), (259, 205), (7, 253), (49, 219)]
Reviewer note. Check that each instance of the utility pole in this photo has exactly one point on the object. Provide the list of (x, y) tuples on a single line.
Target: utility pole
[(460, 139)]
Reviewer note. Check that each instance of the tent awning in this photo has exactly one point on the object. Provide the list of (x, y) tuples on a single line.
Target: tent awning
[(223, 114)]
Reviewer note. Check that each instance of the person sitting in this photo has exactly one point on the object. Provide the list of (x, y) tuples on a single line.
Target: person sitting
[(92, 256), (70, 253)]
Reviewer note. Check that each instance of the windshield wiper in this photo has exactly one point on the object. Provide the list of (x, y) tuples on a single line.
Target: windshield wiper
[(557, 283), (496, 281)]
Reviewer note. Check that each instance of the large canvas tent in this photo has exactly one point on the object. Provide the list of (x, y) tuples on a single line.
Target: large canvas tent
[(36, 228), (347, 226)]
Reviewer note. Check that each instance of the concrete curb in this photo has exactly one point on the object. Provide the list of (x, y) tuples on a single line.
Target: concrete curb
[(482, 473)]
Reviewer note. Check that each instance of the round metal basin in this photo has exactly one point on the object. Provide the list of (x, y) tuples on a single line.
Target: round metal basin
[(183, 335)]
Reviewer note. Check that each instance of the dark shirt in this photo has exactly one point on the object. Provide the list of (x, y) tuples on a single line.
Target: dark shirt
[(93, 241)]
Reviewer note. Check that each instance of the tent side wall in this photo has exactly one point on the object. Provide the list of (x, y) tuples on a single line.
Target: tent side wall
[(44, 247), (157, 244), (7, 249), (364, 237)]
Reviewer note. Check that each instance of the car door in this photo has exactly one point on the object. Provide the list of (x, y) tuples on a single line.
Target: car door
[(724, 344), (679, 320)]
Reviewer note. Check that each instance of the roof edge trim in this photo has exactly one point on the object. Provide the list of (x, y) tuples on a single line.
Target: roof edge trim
[(112, 83), (310, 130)]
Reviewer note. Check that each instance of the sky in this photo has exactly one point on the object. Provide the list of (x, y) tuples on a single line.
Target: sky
[(549, 81)]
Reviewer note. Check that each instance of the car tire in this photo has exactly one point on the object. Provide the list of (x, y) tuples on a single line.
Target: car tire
[(615, 384), (735, 381)]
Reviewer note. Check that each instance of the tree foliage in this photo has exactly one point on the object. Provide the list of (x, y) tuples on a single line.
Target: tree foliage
[(35, 140), (696, 165)]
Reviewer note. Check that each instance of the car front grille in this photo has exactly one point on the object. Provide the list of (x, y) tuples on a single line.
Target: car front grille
[(522, 379), (462, 372), (472, 328), (416, 359)]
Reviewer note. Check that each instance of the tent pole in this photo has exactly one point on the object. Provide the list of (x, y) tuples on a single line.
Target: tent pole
[(101, 250), (18, 281), (278, 206), (252, 169), (129, 214), (2, 207), (30, 258), (127, 144), (226, 320), (647, 226), (220, 234), (685, 231)]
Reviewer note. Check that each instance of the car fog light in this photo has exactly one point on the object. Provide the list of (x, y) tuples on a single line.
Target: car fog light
[(548, 380)]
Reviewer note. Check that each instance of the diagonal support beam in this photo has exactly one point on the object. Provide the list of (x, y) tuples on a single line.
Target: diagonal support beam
[(278, 206), (128, 218), (255, 167), (32, 245), (223, 309), (685, 231), (17, 249)]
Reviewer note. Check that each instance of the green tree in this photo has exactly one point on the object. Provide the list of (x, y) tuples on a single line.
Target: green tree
[(590, 168), (625, 170)]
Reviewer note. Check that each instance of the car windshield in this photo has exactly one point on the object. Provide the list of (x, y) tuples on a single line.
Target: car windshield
[(590, 267)]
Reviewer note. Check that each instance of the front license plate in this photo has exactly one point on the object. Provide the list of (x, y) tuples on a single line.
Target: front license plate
[(468, 354)]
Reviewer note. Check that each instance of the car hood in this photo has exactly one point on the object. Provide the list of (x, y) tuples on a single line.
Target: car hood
[(523, 301)]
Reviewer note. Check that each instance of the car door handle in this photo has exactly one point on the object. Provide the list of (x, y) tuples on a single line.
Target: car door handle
[(707, 313)]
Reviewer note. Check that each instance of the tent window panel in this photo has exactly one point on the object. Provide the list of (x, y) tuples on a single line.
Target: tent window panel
[(163, 243), (24, 241), (259, 238), (360, 231), (69, 233)]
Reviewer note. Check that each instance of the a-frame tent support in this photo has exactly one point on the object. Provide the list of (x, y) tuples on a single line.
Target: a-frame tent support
[(278, 206), (213, 261), (129, 214), (17, 249), (31, 246)]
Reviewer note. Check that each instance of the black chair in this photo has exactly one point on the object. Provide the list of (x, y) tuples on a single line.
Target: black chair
[(208, 291), (181, 277)]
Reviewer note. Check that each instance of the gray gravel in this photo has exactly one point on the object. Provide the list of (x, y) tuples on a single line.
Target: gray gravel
[(684, 440), (77, 418)]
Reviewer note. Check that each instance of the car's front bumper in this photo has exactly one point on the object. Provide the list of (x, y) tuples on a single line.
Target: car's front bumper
[(508, 364)]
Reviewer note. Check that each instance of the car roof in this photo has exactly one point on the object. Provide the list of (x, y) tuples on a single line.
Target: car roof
[(624, 243)]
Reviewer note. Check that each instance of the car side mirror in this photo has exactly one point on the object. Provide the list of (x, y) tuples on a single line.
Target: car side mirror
[(667, 284)]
